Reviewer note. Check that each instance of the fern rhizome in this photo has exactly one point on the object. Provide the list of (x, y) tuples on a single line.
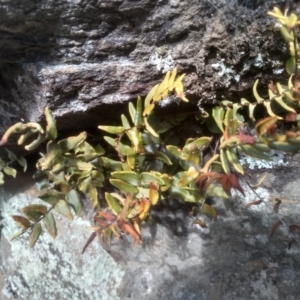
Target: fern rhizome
[(150, 161)]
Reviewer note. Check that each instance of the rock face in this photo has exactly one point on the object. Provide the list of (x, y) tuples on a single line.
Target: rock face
[(234, 259), (79, 56)]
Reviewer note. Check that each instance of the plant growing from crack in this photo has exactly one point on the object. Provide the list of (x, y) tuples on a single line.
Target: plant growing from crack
[(152, 161)]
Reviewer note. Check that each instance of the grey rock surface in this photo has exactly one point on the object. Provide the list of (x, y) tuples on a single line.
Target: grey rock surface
[(79, 56), (234, 258), (53, 269)]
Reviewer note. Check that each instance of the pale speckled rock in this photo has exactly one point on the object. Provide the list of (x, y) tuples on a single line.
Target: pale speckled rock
[(234, 259), (54, 269)]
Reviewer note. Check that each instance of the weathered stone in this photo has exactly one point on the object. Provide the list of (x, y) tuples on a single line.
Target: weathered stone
[(77, 56), (53, 269), (235, 258)]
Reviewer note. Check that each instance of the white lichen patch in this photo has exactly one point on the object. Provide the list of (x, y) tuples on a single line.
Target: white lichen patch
[(260, 61), (163, 64), (55, 269), (225, 71), (255, 163)]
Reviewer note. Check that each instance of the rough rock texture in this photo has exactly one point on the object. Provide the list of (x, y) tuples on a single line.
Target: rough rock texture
[(234, 259), (53, 269), (77, 56)]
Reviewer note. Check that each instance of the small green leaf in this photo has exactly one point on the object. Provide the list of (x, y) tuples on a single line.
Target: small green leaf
[(209, 210), (74, 200), (34, 211), (63, 208), (41, 138), (218, 115), (111, 164), (1, 178), (130, 177), (138, 120), (72, 142), (50, 224), (187, 194), (35, 234), (131, 158), (125, 122), (98, 148), (51, 196), (252, 151), (113, 204), (254, 90), (189, 176), (149, 97), (147, 178), (85, 185), (17, 234), (216, 191), (123, 186), (23, 163), (10, 171), (51, 124), (21, 221), (225, 161), (113, 129), (290, 65), (11, 155), (120, 147), (198, 143), (163, 157), (132, 112), (149, 128)]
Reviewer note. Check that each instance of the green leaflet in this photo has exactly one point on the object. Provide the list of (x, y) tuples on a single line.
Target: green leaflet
[(123, 186), (10, 171), (35, 234), (252, 151), (147, 178), (218, 115), (74, 200), (113, 129), (113, 204), (187, 194), (131, 158), (34, 211), (63, 208), (50, 224), (51, 130), (72, 142), (130, 177)]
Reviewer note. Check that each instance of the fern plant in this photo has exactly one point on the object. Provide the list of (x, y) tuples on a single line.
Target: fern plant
[(149, 162)]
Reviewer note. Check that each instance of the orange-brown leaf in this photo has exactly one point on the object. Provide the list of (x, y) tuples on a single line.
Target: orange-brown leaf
[(274, 227), (229, 181), (257, 202), (127, 228), (91, 238), (106, 216), (246, 139), (200, 222)]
